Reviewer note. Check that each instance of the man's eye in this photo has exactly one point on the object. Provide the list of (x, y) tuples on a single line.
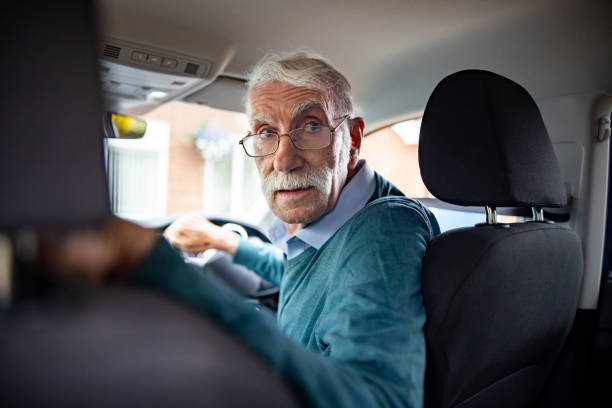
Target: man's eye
[(312, 127), (267, 133)]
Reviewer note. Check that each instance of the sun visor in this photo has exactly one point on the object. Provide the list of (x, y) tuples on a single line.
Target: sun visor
[(52, 164), (224, 93)]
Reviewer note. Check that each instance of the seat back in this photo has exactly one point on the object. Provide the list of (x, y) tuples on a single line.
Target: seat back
[(500, 298), (64, 344)]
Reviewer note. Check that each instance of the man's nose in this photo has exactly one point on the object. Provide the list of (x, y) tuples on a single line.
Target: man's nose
[(287, 157)]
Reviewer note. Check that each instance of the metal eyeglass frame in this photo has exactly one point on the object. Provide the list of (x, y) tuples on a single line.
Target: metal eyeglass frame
[(290, 135)]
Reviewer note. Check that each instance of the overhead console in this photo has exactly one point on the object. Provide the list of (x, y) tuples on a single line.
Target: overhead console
[(143, 65), (142, 74)]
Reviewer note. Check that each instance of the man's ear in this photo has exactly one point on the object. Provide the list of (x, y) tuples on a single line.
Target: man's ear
[(356, 128)]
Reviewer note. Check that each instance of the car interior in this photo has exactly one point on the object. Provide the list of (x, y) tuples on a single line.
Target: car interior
[(135, 108)]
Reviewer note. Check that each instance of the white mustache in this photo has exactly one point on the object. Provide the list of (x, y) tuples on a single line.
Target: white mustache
[(319, 179)]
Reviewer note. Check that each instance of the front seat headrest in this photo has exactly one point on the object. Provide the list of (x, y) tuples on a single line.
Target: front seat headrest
[(51, 154), (483, 142)]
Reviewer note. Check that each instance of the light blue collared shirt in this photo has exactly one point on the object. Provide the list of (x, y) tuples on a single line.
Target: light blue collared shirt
[(353, 197)]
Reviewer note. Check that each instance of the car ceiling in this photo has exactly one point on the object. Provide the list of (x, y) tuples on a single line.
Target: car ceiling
[(393, 52)]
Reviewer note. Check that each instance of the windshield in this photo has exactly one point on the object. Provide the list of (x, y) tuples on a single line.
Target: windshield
[(189, 160)]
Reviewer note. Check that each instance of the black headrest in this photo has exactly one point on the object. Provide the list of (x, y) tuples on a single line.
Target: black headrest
[(483, 142), (51, 156)]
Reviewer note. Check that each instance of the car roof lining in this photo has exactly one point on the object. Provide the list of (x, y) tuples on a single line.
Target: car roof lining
[(392, 53)]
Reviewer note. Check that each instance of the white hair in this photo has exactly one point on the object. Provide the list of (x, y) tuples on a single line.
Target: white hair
[(305, 70)]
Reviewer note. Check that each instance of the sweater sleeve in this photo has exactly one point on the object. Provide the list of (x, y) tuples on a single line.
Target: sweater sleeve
[(264, 259)]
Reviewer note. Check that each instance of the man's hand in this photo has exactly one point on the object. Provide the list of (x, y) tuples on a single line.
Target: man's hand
[(194, 234), (97, 254)]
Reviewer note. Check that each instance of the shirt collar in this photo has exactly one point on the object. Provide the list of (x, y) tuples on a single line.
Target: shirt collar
[(353, 197)]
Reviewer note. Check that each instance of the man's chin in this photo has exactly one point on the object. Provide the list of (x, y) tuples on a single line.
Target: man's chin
[(297, 215), (294, 219)]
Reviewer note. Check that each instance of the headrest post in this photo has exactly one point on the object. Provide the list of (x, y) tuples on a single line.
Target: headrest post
[(491, 215), (6, 272), (538, 213)]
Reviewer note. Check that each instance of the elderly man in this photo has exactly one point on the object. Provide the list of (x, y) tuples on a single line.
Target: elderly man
[(352, 244), (350, 311)]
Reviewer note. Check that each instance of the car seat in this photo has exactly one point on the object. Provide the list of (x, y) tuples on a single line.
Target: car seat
[(500, 298)]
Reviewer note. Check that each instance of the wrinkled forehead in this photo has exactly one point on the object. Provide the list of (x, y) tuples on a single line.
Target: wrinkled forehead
[(263, 116), (275, 100)]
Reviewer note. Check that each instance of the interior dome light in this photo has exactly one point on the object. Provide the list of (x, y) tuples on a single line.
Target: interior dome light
[(157, 94)]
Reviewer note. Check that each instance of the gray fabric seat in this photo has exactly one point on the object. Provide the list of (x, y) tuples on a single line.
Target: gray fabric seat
[(500, 298), (124, 347)]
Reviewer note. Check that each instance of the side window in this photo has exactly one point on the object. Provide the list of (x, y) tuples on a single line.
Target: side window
[(189, 160), (393, 153)]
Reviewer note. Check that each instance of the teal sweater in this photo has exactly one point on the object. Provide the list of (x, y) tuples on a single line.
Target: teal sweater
[(355, 306)]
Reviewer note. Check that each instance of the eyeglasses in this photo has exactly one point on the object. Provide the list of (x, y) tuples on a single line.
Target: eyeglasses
[(309, 137)]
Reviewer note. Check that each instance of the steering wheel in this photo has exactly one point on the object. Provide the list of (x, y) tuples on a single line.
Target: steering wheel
[(251, 230), (241, 279), (202, 258)]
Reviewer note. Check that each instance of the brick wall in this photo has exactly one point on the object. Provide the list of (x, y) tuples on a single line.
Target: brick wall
[(395, 160), (186, 165)]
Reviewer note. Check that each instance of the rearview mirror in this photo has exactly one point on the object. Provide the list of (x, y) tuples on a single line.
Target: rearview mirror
[(123, 126)]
